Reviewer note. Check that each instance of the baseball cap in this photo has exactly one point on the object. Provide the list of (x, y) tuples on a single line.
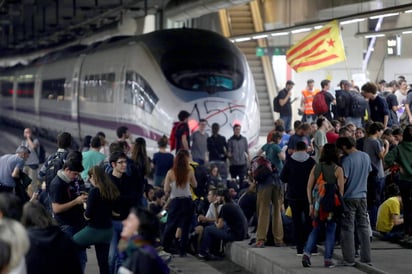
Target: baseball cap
[(22, 149)]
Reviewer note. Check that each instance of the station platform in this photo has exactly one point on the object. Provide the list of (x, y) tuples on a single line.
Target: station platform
[(386, 258)]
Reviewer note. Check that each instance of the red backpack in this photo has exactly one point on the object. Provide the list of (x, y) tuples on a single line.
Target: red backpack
[(319, 104), (261, 168), (172, 137)]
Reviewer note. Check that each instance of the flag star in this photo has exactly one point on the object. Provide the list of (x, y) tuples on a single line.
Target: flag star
[(331, 42)]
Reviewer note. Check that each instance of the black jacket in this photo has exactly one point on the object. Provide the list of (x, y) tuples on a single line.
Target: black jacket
[(51, 251)]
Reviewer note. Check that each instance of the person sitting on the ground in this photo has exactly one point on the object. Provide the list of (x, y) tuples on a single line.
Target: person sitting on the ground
[(390, 221), (230, 226)]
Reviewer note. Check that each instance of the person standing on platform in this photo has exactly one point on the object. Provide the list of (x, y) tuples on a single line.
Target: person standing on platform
[(286, 104), (99, 210), (180, 210), (306, 102), (92, 157), (32, 163), (66, 204), (131, 193), (238, 153), (182, 133), (356, 167), (162, 161), (199, 143), (10, 167), (123, 135), (217, 148), (379, 111)]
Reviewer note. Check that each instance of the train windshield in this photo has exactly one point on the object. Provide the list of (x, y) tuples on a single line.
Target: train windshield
[(210, 71)]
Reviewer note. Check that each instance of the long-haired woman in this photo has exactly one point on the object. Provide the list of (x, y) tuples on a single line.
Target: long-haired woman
[(98, 212), (332, 174), (180, 210), (139, 156)]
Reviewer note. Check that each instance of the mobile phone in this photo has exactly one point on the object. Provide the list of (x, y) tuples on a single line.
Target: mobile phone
[(163, 212)]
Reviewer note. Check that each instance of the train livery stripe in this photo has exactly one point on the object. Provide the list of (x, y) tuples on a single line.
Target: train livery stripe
[(107, 124), (110, 125)]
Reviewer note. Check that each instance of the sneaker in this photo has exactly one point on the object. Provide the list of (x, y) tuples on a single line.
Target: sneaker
[(345, 263), (259, 244), (203, 256), (306, 261), (329, 264)]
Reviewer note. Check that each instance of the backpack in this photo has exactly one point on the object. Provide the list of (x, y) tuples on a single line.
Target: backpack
[(276, 104), (41, 154), (319, 104), (325, 198), (54, 163), (261, 168), (358, 105), (342, 103), (172, 137)]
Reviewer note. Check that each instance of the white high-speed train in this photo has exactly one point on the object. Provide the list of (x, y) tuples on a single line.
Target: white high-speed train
[(141, 82)]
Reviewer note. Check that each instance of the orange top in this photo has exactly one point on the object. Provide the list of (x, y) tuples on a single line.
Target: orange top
[(308, 96)]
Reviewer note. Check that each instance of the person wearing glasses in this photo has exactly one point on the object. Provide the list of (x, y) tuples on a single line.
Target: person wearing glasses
[(99, 209), (131, 192)]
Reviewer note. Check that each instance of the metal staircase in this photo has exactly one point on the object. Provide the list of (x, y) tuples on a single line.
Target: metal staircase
[(241, 20)]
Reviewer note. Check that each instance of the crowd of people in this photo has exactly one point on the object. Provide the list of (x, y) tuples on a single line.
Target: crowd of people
[(136, 210)]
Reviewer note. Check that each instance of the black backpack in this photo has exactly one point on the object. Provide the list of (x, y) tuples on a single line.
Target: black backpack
[(54, 163), (276, 104), (358, 104), (41, 154)]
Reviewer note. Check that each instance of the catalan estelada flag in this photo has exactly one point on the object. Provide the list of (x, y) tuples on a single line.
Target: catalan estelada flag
[(320, 48)]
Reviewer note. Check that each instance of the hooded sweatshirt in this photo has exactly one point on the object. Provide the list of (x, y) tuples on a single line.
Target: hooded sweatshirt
[(402, 154), (297, 181), (51, 251)]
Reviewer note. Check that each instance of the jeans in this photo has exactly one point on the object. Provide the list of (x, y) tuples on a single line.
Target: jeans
[(329, 241), (355, 209), (309, 118), (357, 121), (114, 260), (70, 231), (211, 236), (267, 195), (301, 222), (375, 197), (287, 120)]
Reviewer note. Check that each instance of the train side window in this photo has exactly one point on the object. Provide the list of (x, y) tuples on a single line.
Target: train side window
[(25, 90), (6, 88), (138, 92), (53, 89), (99, 87)]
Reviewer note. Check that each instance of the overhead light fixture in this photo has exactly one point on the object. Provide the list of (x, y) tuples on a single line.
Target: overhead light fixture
[(352, 21), (280, 33), (301, 30), (374, 35), (407, 32), (260, 36), (384, 15), (407, 11), (318, 27), (243, 39)]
